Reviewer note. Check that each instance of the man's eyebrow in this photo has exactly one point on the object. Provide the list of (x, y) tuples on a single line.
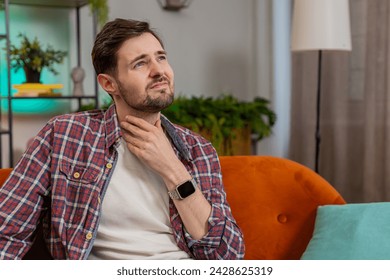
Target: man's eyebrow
[(142, 56), (161, 52), (138, 58)]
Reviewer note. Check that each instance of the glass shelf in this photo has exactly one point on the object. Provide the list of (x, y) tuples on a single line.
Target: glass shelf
[(51, 3), (50, 97)]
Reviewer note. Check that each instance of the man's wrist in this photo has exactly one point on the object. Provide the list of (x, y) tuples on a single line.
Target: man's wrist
[(174, 178)]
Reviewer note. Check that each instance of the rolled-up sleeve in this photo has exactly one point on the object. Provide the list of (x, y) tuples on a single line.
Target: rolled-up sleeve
[(224, 239)]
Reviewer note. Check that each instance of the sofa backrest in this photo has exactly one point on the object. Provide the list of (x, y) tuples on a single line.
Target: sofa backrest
[(274, 201), (4, 173)]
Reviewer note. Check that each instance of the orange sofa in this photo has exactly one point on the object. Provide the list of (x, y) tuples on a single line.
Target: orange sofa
[(274, 201)]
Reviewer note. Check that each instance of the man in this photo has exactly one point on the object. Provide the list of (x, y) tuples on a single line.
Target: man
[(123, 183)]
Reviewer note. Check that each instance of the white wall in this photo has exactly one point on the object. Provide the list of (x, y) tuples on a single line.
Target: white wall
[(213, 46), (209, 44)]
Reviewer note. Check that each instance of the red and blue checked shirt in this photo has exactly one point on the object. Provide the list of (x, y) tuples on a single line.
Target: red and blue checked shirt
[(61, 179)]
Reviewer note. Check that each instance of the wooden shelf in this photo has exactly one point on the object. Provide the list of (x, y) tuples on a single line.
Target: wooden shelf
[(51, 3), (4, 131), (65, 4)]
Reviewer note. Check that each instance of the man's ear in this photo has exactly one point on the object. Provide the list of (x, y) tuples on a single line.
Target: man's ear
[(107, 83)]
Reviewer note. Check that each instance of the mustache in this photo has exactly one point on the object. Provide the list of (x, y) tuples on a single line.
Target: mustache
[(158, 80)]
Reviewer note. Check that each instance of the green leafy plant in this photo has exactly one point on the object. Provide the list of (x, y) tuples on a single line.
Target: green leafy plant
[(100, 7), (224, 119), (30, 55)]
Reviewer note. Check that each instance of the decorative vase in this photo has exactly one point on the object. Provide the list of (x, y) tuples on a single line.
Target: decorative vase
[(32, 76), (78, 75)]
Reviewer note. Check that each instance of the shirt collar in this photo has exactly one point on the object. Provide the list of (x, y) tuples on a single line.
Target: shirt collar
[(176, 140), (113, 132)]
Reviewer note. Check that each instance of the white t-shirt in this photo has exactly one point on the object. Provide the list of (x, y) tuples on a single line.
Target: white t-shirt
[(135, 214)]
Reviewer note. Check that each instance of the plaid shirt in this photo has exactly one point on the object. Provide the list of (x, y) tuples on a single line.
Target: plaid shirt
[(62, 177)]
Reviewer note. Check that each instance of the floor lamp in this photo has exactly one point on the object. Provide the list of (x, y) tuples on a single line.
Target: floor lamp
[(320, 25)]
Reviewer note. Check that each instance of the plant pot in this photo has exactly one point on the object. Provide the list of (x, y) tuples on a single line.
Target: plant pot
[(32, 76), (239, 143)]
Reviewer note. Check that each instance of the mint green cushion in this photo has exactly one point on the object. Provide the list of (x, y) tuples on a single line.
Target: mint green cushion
[(358, 231)]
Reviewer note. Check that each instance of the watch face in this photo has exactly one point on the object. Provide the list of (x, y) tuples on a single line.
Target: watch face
[(186, 189)]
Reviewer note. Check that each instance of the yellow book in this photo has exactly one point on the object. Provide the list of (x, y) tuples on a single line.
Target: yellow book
[(37, 89)]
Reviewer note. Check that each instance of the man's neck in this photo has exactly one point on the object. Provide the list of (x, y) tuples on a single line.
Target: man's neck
[(149, 117)]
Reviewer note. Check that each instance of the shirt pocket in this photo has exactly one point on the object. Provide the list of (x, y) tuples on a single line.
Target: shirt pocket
[(80, 196), (79, 175)]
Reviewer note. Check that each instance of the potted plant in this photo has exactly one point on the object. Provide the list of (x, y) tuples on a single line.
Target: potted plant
[(100, 8), (32, 58), (228, 123)]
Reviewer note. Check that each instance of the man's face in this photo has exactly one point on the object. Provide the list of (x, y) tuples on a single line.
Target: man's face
[(144, 77)]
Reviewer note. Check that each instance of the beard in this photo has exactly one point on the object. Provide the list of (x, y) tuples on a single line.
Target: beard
[(149, 104)]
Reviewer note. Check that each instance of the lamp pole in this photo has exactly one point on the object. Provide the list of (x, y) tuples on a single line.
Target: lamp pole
[(318, 134)]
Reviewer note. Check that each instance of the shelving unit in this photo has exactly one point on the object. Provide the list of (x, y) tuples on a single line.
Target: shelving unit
[(8, 130), (69, 4)]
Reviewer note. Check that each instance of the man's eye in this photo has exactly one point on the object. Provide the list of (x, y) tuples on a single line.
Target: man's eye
[(139, 64), (162, 57)]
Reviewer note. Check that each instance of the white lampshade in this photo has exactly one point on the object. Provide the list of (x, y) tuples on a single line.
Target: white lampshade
[(321, 25)]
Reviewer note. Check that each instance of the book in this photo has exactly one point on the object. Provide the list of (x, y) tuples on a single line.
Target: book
[(37, 90)]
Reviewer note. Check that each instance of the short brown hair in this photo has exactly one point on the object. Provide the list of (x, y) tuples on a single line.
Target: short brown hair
[(110, 39)]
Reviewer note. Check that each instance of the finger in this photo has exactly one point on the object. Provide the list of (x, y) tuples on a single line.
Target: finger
[(134, 130), (133, 141), (139, 122)]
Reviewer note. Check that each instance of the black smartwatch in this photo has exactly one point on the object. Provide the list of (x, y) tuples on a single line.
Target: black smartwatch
[(183, 190)]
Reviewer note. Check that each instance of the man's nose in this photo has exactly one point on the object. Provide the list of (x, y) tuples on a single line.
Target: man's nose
[(156, 69)]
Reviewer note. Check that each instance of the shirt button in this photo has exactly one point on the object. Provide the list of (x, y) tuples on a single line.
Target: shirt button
[(76, 175), (109, 165), (89, 236)]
